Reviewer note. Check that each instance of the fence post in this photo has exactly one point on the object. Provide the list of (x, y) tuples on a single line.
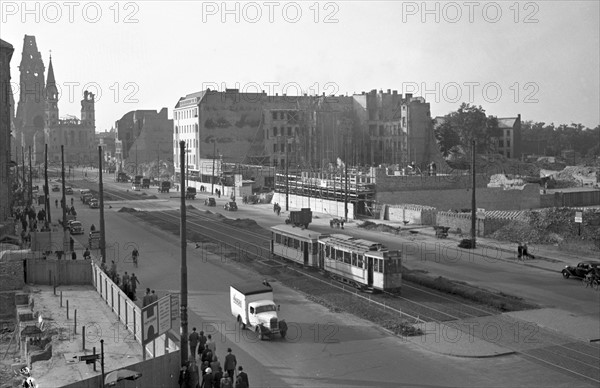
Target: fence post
[(49, 277), (67, 308), (83, 336), (61, 299), (75, 322)]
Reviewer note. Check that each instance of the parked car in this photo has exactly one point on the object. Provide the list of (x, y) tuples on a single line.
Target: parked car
[(466, 243), (85, 198), (230, 206), (580, 270), (69, 190), (75, 227), (136, 187), (210, 201), (94, 204), (55, 188)]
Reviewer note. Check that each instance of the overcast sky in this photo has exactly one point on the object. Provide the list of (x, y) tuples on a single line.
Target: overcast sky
[(539, 59)]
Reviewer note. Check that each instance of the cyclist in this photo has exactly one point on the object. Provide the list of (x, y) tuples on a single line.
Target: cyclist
[(134, 255)]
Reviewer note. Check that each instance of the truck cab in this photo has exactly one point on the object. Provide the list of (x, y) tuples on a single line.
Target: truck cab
[(253, 307)]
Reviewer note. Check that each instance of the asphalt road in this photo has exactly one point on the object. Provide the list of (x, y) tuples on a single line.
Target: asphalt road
[(328, 349)]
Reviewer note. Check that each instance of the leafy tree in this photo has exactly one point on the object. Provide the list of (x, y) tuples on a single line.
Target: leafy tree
[(460, 128)]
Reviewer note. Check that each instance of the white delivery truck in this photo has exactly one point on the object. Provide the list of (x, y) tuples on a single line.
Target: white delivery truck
[(252, 305)]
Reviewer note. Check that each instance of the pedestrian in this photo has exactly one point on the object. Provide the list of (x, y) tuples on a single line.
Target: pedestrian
[(226, 381), (193, 340), (56, 203), (204, 367), (207, 355), (230, 363), (154, 296), (207, 379), (526, 252), (72, 203), (242, 379), (92, 228), (125, 285), (520, 250), (133, 282), (87, 255), (217, 376), (202, 343), (73, 255), (113, 270), (194, 374), (71, 243), (215, 364), (147, 299), (211, 344)]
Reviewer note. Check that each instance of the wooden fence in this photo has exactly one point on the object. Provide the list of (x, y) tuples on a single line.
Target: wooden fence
[(57, 272)]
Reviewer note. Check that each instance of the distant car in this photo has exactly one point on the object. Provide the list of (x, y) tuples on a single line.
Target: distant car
[(210, 201), (580, 270), (230, 206), (94, 204), (466, 243), (136, 187), (55, 188), (69, 190), (85, 198), (75, 227)]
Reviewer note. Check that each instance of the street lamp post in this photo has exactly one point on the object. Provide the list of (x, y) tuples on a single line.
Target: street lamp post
[(212, 178), (287, 179), (473, 201), (183, 238)]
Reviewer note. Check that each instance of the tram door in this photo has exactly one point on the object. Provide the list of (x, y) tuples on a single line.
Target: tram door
[(305, 252), (370, 271)]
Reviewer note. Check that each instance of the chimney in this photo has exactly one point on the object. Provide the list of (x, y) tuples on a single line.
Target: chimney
[(389, 91), (276, 94), (304, 94), (363, 93), (323, 94), (408, 96), (395, 92)]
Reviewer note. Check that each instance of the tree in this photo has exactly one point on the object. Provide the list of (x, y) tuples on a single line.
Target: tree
[(460, 128)]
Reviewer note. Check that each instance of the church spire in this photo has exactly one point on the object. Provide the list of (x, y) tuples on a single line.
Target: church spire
[(50, 80)]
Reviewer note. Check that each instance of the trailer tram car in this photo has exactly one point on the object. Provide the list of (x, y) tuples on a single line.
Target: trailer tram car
[(361, 263), (298, 245)]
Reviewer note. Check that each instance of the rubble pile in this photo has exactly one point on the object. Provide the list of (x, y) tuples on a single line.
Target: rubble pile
[(578, 174), (501, 180)]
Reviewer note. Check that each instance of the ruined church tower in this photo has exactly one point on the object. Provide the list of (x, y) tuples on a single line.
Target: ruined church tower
[(29, 119)]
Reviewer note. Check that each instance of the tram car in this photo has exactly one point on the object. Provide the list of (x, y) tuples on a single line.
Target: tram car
[(361, 263), (298, 245), (364, 264)]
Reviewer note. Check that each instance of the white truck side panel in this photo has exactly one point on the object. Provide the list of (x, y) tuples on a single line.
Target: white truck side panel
[(239, 301)]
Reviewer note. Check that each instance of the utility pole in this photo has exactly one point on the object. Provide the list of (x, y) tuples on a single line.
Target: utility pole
[(473, 202), (184, 296), (346, 192), (212, 178), (101, 194), (158, 164), (30, 179), (287, 181), (136, 169), (64, 198), (23, 162), (46, 190)]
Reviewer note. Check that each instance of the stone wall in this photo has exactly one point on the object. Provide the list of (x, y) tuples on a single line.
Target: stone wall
[(569, 199), (402, 183), (11, 275), (462, 221), (414, 214), (317, 205)]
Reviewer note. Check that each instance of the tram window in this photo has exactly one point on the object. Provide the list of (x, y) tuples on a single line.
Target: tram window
[(354, 259), (375, 265), (360, 261), (296, 243), (339, 255), (315, 248), (327, 251), (380, 266), (278, 238), (347, 259)]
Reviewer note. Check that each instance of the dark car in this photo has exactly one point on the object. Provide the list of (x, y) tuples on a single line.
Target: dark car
[(55, 188), (210, 201), (466, 243), (75, 227), (230, 206), (580, 270), (69, 190), (94, 204)]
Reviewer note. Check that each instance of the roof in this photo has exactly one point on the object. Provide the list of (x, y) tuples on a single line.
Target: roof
[(295, 231), (5, 44), (50, 80), (251, 288), (507, 122), (199, 95)]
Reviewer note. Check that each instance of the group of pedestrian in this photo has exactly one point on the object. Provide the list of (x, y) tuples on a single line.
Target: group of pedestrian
[(523, 252), (127, 283), (149, 298), (276, 208), (210, 374), (218, 192)]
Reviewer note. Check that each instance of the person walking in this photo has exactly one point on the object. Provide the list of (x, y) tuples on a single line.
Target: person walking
[(193, 340), (133, 282), (201, 343), (211, 345), (215, 365), (87, 255), (125, 285), (242, 379), (207, 355), (147, 299), (113, 270), (71, 243), (154, 296), (56, 203), (217, 376), (226, 381), (73, 255), (230, 363), (184, 377), (207, 379)]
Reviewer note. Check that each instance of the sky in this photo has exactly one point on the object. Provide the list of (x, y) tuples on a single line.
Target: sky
[(539, 59)]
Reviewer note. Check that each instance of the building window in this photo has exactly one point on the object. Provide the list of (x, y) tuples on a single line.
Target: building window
[(289, 131), (508, 142), (282, 163), (275, 147), (508, 154), (274, 115), (274, 131), (283, 147), (501, 143)]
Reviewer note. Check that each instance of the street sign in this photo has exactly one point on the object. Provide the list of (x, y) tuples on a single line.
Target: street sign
[(90, 358), (579, 217), (174, 307), (156, 319)]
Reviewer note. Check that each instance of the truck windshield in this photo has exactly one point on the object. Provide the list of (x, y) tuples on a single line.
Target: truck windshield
[(267, 308)]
